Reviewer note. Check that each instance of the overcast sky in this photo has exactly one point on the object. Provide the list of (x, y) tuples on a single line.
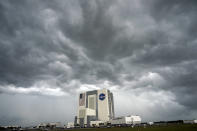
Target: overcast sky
[(144, 51)]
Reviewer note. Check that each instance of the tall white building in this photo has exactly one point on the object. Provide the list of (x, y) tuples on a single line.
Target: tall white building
[(97, 105)]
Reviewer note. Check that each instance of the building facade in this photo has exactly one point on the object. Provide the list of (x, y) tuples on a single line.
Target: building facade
[(96, 105), (126, 120)]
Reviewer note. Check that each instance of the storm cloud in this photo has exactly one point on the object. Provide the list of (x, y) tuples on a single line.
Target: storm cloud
[(145, 52)]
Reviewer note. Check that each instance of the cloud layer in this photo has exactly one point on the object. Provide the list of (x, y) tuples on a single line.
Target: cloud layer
[(144, 51)]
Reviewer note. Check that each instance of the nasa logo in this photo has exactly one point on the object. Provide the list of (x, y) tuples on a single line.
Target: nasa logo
[(102, 96)]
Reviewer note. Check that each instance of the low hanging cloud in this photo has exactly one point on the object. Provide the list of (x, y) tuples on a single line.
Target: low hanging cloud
[(35, 90), (143, 51)]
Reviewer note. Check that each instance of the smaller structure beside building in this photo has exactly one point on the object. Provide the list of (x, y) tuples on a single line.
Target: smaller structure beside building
[(11, 127), (70, 125), (96, 123), (150, 123), (126, 120), (195, 121), (189, 121), (49, 125)]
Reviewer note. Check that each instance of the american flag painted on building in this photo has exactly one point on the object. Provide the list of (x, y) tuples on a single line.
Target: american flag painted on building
[(82, 99)]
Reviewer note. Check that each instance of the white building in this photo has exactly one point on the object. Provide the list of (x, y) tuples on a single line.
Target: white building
[(97, 105), (49, 125), (189, 121), (195, 121), (136, 119), (96, 123), (70, 125), (150, 123), (126, 120)]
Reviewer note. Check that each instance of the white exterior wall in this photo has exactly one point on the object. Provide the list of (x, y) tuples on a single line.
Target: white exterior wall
[(70, 125), (81, 108), (126, 120), (96, 123), (121, 120), (188, 121), (103, 106), (195, 121), (151, 123), (136, 119), (88, 112), (118, 121), (94, 102)]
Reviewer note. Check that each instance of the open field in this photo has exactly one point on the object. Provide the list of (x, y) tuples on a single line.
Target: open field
[(181, 127), (151, 128), (189, 127)]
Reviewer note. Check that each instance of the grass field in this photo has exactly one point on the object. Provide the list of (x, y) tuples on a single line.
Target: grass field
[(181, 127), (190, 127)]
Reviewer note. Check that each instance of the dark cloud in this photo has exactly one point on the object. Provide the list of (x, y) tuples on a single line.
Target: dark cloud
[(143, 49), (96, 30), (161, 9)]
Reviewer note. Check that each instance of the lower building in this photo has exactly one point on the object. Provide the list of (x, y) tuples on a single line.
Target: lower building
[(96, 123), (126, 120), (189, 121), (70, 125)]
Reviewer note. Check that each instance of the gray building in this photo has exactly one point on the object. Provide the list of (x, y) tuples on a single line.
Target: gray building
[(96, 105)]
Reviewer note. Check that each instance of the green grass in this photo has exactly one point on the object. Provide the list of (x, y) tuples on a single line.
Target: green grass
[(151, 128), (185, 127)]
